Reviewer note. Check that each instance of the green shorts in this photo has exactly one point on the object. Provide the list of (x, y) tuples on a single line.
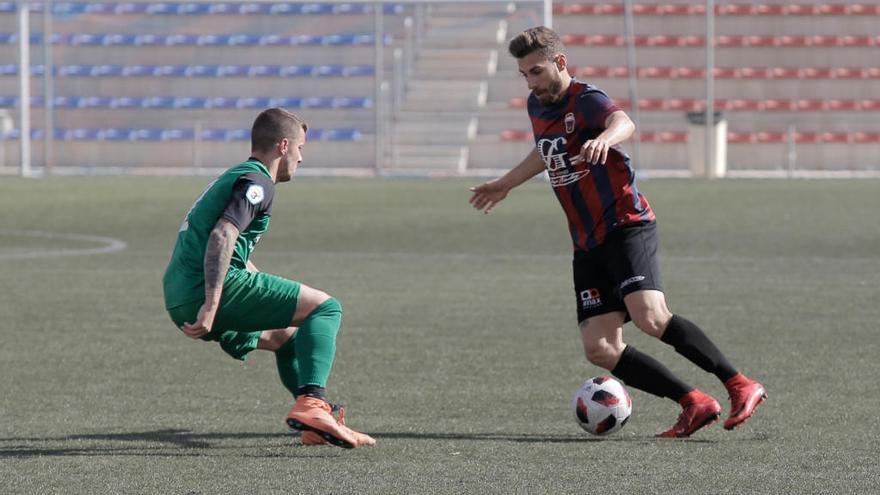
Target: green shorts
[(251, 303)]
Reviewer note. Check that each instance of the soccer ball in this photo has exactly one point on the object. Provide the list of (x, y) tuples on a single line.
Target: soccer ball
[(602, 406)]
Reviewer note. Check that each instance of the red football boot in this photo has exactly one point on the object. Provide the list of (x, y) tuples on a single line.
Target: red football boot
[(698, 410), (745, 396)]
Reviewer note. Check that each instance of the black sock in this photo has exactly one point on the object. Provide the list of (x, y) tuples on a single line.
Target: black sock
[(694, 344), (646, 373), (311, 391)]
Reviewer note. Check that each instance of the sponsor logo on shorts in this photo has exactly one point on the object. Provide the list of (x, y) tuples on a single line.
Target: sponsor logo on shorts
[(254, 194), (632, 280), (590, 298)]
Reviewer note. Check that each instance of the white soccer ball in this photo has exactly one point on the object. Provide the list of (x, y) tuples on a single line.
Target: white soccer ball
[(601, 405)]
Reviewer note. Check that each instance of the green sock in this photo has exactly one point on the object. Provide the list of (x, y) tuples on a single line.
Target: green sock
[(316, 343), (285, 359)]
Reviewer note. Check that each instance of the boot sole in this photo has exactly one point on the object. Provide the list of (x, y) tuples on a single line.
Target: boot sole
[(332, 440)]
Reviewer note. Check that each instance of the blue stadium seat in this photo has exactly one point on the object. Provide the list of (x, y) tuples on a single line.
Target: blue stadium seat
[(170, 70), (147, 134), (222, 102), (176, 134), (8, 101), (94, 102), (114, 134), (264, 70), (125, 102), (252, 102), (213, 134), (106, 70), (138, 70), (189, 102), (158, 102)]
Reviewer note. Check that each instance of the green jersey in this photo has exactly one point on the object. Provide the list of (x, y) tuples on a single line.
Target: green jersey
[(243, 195)]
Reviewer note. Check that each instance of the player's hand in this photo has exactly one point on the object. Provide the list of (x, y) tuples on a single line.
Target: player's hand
[(593, 151), (202, 325), (487, 195)]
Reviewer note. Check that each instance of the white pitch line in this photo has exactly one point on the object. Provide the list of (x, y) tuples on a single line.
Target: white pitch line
[(109, 244)]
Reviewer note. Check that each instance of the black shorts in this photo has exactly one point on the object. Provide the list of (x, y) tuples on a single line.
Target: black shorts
[(624, 263)]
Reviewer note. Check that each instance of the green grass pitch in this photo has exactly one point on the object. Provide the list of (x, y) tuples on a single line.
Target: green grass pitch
[(459, 350)]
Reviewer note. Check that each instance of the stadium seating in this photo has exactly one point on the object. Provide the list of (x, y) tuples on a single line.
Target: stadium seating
[(115, 70), (222, 40), (194, 102), (736, 137), (201, 9), (739, 105), (730, 9), (737, 41), (174, 134)]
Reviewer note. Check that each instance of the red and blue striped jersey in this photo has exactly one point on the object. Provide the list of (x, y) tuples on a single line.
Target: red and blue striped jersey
[(597, 199)]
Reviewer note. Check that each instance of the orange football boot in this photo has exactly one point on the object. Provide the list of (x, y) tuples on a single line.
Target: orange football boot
[(311, 438), (315, 415)]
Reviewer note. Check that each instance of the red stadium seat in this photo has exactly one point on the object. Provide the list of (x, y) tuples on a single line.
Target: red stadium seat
[(671, 137), (821, 40), (734, 9), (783, 73), (726, 73), (778, 105), (692, 41), (651, 104), (872, 72), (760, 41), (815, 73), (740, 137), (805, 137), (682, 105), (832, 9), (752, 73), (870, 105), (574, 39), (811, 105), (844, 105), (856, 41), (745, 105), (866, 137), (769, 10), (517, 103), (796, 9), (730, 41), (836, 137), (605, 40), (646, 9), (664, 40), (792, 41), (690, 72), (848, 73), (770, 137), (864, 9), (656, 73), (676, 9), (515, 135)]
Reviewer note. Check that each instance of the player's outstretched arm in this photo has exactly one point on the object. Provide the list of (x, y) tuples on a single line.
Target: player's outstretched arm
[(488, 194), (218, 254)]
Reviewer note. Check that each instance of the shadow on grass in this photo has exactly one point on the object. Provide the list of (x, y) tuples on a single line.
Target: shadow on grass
[(171, 443), (185, 443)]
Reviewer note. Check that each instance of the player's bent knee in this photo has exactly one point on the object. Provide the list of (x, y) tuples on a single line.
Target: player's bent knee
[(601, 355), (651, 323)]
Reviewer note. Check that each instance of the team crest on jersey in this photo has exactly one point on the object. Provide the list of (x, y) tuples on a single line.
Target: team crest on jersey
[(569, 123), (254, 194), (590, 298), (556, 161)]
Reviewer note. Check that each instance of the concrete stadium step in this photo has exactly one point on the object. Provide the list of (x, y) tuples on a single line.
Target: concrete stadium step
[(447, 131), (430, 157)]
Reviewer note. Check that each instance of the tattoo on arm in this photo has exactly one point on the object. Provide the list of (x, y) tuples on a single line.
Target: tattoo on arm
[(218, 255)]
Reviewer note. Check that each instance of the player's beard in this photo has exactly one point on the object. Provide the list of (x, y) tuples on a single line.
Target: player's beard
[(552, 94)]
